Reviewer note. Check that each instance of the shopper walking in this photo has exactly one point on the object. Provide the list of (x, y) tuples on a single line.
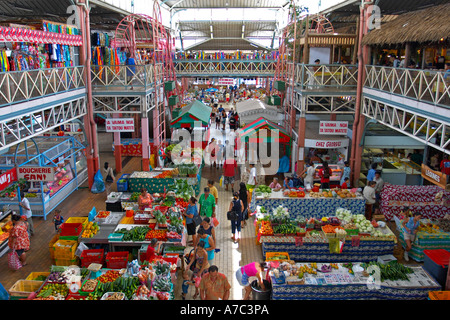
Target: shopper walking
[(244, 196), (378, 186), (254, 269), (109, 177), (218, 119), (189, 214), (213, 190), (19, 239), (229, 171), (207, 204), (199, 265), (371, 172), (214, 285), (223, 119), (410, 226), (237, 207), (131, 69), (209, 244), (208, 228), (251, 183), (25, 205)]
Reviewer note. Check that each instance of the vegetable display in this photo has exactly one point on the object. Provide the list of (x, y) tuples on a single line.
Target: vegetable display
[(390, 271), (136, 234)]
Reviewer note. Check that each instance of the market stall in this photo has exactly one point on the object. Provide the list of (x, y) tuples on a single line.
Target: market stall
[(316, 204), (417, 198), (250, 134), (195, 111), (252, 109), (49, 169), (349, 281), (341, 237), (432, 234)]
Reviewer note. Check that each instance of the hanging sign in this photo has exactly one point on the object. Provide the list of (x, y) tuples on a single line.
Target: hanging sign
[(226, 81), (436, 177), (36, 174), (326, 144), (120, 125), (333, 127), (7, 178)]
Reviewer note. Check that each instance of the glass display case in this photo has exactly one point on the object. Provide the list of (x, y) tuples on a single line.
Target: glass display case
[(63, 176), (336, 172)]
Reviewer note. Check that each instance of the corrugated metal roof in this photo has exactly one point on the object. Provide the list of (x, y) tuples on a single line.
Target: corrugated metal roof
[(224, 44), (191, 4), (227, 29), (32, 11)]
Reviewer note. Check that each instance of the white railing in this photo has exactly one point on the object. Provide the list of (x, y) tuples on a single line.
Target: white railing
[(225, 67), (421, 85), (139, 77), (20, 86), (325, 76)]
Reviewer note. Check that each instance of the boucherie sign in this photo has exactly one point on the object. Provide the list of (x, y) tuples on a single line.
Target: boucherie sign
[(333, 127), (36, 174)]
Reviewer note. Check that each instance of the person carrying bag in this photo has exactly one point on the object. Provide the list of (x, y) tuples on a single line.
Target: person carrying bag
[(234, 214)]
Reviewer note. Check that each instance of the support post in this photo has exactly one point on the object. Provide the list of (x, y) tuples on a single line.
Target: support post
[(145, 145), (117, 148)]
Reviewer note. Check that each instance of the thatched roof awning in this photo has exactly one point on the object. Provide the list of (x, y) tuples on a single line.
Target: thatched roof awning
[(422, 26)]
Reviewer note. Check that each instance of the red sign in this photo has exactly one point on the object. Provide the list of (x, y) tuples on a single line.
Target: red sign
[(8, 177)]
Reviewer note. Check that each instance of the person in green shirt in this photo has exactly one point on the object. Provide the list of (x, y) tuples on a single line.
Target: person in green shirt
[(207, 204)]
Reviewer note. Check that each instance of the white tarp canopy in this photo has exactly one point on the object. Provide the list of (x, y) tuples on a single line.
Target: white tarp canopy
[(251, 109)]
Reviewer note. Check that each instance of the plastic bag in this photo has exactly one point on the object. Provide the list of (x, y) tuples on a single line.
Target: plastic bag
[(81, 247), (4, 295), (215, 222), (221, 181), (98, 186), (14, 261)]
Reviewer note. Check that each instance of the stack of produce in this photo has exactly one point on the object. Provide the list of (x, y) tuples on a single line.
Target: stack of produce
[(266, 228), (136, 234), (160, 235), (390, 271), (90, 230), (263, 190)]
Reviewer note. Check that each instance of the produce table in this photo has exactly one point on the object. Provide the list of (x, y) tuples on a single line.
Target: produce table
[(318, 249), (307, 206), (417, 198), (340, 285), (424, 241), (157, 185)]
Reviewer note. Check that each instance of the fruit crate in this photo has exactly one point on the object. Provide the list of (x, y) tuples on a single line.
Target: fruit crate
[(65, 249), (273, 256), (116, 260), (75, 296), (23, 288), (436, 264), (67, 262), (83, 220), (70, 231), (34, 275), (123, 186), (439, 295), (51, 244), (99, 220), (92, 256)]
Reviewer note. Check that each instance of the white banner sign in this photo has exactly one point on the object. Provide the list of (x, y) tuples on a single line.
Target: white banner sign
[(36, 174), (326, 144), (226, 81), (333, 127), (119, 125)]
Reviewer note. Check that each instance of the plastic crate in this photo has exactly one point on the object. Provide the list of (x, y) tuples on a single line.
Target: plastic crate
[(115, 237), (439, 295), (101, 221), (34, 275), (92, 256), (83, 220), (272, 256), (51, 244), (436, 264), (116, 260), (70, 231), (65, 249), (123, 186), (23, 288), (75, 296), (67, 262)]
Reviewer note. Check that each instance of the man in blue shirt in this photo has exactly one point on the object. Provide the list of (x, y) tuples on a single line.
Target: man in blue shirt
[(131, 69)]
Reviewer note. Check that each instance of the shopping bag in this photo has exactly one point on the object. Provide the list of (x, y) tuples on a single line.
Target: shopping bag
[(215, 222), (98, 186), (221, 181), (81, 247), (14, 261), (4, 295)]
